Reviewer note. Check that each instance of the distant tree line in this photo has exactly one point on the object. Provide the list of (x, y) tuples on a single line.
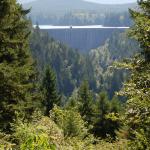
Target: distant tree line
[(85, 18)]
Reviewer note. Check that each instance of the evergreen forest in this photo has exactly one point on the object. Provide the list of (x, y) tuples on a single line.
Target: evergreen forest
[(53, 97)]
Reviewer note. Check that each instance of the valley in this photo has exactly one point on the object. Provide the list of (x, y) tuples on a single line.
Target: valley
[(74, 75)]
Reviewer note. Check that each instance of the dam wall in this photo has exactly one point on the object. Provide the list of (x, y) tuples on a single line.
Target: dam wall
[(83, 39)]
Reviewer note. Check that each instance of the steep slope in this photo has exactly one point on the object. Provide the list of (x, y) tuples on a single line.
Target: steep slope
[(116, 48)]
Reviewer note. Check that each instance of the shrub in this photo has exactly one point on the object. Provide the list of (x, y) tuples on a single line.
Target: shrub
[(43, 134)]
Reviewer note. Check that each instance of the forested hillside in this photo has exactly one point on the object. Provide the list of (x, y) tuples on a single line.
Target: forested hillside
[(84, 18), (36, 72), (72, 67), (78, 12), (63, 6)]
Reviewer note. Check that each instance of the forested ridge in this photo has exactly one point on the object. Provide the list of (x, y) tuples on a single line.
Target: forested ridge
[(52, 97), (79, 12), (84, 18)]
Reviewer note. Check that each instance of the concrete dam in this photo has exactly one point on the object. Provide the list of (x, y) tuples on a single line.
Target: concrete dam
[(82, 38)]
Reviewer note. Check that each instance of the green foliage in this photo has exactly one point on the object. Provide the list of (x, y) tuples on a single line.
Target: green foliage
[(85, 98), (119, 45), (137, 89), (141, 28), (72, 67), (101, 114), (49, 89), (115, 105), (103, 108), (5, 142), (43, 133), (70, 121), (118, 145), (140, 140), (40, 134), (17, 75), (72, 101), (70, 127), (102, 58), (107, 119)]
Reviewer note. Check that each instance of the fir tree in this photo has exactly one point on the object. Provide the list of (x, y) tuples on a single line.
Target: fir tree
[(107, 116), (17, 76), (115, 105), (49, 89), (103, 108), (85, 97), (137, 90)]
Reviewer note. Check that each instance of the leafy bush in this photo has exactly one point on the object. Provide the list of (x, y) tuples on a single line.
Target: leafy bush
[(118, 145), (42, 134), (5, 142), (70, 121)]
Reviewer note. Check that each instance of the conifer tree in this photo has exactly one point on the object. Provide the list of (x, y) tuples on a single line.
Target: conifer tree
[(115, 105), (49, 89), (106, 116), (137, 90), (86, 102), (17, 76), (103, 108)]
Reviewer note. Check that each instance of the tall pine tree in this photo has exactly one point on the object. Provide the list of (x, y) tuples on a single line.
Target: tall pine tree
[(85, 98), (17, 76), (101, 125), (49, 89), (106, 116)]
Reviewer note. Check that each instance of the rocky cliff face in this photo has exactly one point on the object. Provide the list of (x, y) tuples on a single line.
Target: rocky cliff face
[(82, 39)]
